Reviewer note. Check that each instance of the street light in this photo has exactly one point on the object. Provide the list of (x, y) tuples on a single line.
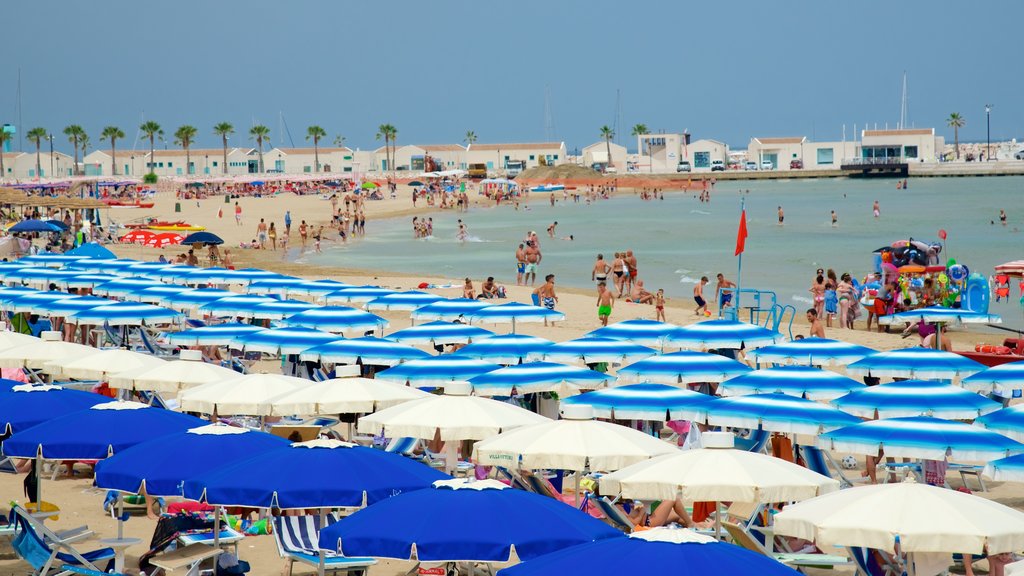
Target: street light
[(988, 132), (50, 138)]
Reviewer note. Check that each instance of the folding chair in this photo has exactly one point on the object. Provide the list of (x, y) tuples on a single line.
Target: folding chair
[(46, 551), (966, 470), (818, 461), (298, 540), (744, 538)]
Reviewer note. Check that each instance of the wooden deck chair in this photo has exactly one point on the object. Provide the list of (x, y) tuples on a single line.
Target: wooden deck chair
[(298, 539), (46, 551), (744, 538), (514, 478)]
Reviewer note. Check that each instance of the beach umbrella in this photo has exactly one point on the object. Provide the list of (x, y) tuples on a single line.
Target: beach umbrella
[(916, 398), (235, 305), (97, 432), (410, 300), (103, 265), (429, 525), (248, 395), (664, 550), (356, 294), (921, 518), (81, 280), (811, 351), (537, 377), (164, 239), (801, 381), (144, 267), (684, 366), (38, 277), (368, 350), (124, 286), (153, 295), (316, 474), (9, 339), (278, 286), (514, 312), (593, 350), (1008, 422), (138, 237), (173, 375), (344, 396), (656, 402), (278, 309), (918, 363), (35, 354), (71, 304), (33, 302), (281, 341), (1006, 469), (504, 349), (638, 331), (777, 413), (940, 315), (440, 333), (716, 334), (436, 371), (23, 406), (143, 468), (127, 314), (11, 293), (36, 226), (314, 287), (336, 319), (202, 238), (91, 250), (921, 437), (448, 309), (170, 273), (100, 365), (212, 335), (50, 260), (1000, 379), (188, 299), (226, 276)]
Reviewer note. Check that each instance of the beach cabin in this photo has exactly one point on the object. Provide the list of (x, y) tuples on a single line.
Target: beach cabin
[(304, 160), (417, 158), (907, 145), (497, 156), (596, 156)]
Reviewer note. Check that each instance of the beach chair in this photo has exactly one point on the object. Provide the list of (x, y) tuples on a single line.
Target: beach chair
[(47, 551), (613, 514), (969, 470), (404, 446), (298, 540), (874, 562), (514, 479), (757, 441), (818, 460), (69, 569), (744, 538)]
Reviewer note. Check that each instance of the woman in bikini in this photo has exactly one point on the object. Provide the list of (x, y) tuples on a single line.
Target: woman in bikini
[(845, 293), (619, 269), (817, 291)]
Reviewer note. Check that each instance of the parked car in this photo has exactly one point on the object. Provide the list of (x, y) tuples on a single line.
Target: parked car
[(717, 166), (683, 166), (1019, 155), (750, 165), (767, 165), (796, 164)]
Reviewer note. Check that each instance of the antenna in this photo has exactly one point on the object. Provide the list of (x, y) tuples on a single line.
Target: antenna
[(549, 120), (903, 104), (286, 132), (21, 127), (618, 115)]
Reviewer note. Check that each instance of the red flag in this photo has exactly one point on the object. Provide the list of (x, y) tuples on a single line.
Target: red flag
[(741, 234)]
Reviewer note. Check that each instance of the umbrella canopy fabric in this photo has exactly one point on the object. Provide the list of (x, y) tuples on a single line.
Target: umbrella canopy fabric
[(72, 304), (448, 309), (33, 303), (123, 286), (83, 280), (275, 285), (715, 334), (127, 314), (637, 331), (185, 299), (1002, 379), (916, 398), (778, 413), (49, 259), (235, 305), (504, 349), (356, 294), (368, 350), (921, 437), (800, 381), (314, 287), (429, 525), (683, 367), (111, 427), (336, 319), (172, 376), (920, 517), (344, 396), (41, 277), (515, 312), (34, 355), (436, 371), (717, 475), (289, 340), (657, 402), (24, 406), (105, 265), (212, 335), (811, 351), (153, 295), (316, 474), (941, 315), (36, 226), (1006, 469), (249, 395), (143, 467), (202, 238), (663, 550), (440, 333), (100, 365), (278, 309), (593, 349), (919, 363), (537, 377), (1008, 422), (410, 300), (10, 339)]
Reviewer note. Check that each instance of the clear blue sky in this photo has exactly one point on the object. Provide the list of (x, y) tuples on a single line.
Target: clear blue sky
[(727, 71)]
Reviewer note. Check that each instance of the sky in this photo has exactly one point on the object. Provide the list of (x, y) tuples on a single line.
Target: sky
[(521, 71)]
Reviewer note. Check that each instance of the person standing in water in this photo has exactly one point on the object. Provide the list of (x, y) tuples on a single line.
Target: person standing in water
[(835, 219), (876, 210), (782, 216)]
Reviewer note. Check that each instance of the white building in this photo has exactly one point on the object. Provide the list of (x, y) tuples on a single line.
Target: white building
[(420, 157), (909, 145), (662, 152), (304, 160), (202, 162), (22, 165), (789, 152), (497, 156), (597, 154)]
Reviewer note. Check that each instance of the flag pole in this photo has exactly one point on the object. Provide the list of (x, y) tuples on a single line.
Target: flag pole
[(739, 267)]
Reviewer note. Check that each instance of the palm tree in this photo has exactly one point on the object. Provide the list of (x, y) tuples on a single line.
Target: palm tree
[(607, 133), (956, 121), (259, 132), (470, 137), (224, 129), (84, 143), (640, 130), (151, 130), (36, 136), (4, 138), (388, 133), (184, 136), (339, 141), (112, 133), (75, 133), (315, 133)]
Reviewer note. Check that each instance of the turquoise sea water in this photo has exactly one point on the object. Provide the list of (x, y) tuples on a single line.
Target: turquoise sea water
[(678, 239)]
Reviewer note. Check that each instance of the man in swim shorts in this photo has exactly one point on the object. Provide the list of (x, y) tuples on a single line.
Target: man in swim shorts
[(520, 264), (698, 296), (605, 302), (600, 272), (723, 297), (782, 215), (533, 258), (545, 294)]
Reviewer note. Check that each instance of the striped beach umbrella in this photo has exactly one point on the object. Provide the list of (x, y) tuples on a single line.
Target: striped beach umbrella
[(941, 315), (8, 293), (410, 300), (683, 367), (375, 351), (212, 335), (316, 287), (126, 314), (336, 319), (921, 437), (715, 334), (29, 302), (40, 277), (169, 273), (916, 398), (153, 295), (124, 286), (356, 294), (70, 305), (436, 371), (1002, 379), (657, 402), (193, 298), (278, 286), (82, 280), (514, 312), (448, 309), (1008, 421), (49, 260), (918, 363), (440, 333), (278, 309), (799, 381), (637, 331), (811, 351), (235, 305), (103, 265), (538, 377), (291, 340), (592, 349), (778, 413), (504, 349), (1006, 469)]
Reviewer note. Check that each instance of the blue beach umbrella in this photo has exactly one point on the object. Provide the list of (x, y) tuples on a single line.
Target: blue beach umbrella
[(919, 363), (336, 319), (778, 413), (235, 305), (97, 432), (226, 276), (36, 226), (50, 260), (514, 312), (684, 366), (536, 377), (504, 349), (126, 314), (72, 304), (41, 277), (170, 273), (448, 309), (315, 287), (432, 523), (317, 474), (24, 406), (800, 381), (291, 340), (82, 280), (202, 238), (1006, 469), (185, 299), (274, 285), (196, 451), (811, 351), (153, 295), (921, 437), (916, 398), (1008, 421), (33, 302), (410, 300), (637, 331), (123, 286), (436, 371), (440, 333), (715, 334), (91, 250), (375, 351), (1003, 379), (8, 293), (941, 315), (212, 335), (663, 550), (657, 402), (356, 294), (103, 265), (592, 349), (279, 309)]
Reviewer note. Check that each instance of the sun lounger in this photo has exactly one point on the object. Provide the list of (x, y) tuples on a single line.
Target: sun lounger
[(818, 460), (298, 540), (613, 514), (969, 470), (185, 560), (46, 551), (874, 562), (756, 442), (67, 569), (403, 446), (744, 538)]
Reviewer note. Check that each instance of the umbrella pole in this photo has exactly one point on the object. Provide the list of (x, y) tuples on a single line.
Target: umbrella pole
[(718, 521), (216, 528), (576, 496), (320, 568), (120, 515), (39, 482)]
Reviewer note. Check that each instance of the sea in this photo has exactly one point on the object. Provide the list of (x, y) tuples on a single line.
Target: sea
[(678, 239)]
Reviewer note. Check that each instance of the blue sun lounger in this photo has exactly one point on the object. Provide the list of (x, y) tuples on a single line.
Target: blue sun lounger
[(298, 540)]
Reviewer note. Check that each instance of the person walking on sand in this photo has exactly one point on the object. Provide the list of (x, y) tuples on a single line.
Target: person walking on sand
[(545, 295), (261, 234), (287, 221), (698, 296), (520, 264), (533, 258), (782, 216), (600, 271), (272, 234), (605, 303), (238, 214), (722, 294), (659, 305)]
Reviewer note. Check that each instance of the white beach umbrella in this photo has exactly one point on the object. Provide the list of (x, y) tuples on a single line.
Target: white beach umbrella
[(101, 364), (345, 396), (173, 375), (250, 395), (10, 339), (35, 355)]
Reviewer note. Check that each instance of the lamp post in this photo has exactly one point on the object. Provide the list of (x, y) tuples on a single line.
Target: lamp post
[(133, 164), (50, 138), (988, 132), (206, 164)]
